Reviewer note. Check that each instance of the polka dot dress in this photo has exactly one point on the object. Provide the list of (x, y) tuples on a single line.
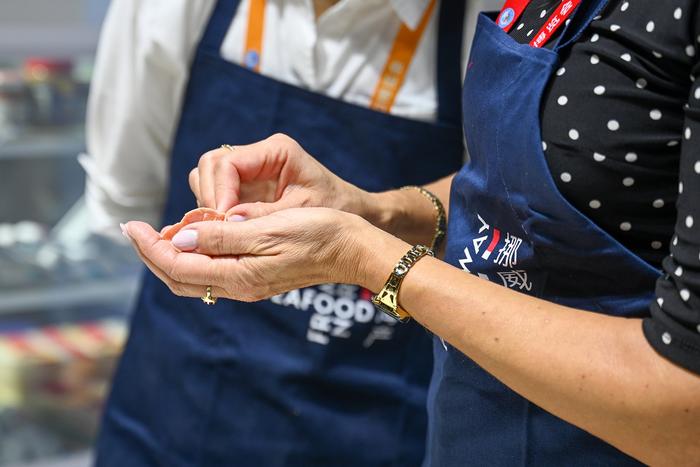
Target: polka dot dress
[(621, 135)]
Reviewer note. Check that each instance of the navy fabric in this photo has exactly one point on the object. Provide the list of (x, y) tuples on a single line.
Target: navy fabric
[(315, 377), (510, 225)]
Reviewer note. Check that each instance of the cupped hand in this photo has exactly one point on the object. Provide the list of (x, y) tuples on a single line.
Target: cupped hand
[(269, 176), (258, 258)]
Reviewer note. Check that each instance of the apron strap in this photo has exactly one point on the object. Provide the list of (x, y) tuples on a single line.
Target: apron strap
[(580, 21), (449, 61), (219, 24)]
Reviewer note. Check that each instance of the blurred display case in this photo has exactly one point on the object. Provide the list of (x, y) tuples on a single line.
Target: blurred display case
[(64, 292)]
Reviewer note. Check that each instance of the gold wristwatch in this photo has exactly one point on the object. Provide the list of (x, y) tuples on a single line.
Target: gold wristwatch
[(387, 299)]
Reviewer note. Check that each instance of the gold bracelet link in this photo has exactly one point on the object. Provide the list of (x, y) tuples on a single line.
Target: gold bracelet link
[(440, 216), (387, 299)]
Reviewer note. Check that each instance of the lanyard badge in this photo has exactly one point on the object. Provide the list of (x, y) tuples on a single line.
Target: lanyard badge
[(514, 8), (510, 13)]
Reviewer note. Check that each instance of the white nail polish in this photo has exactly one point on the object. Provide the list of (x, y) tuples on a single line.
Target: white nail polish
[(185, 240), (125, 231), (236, 218)]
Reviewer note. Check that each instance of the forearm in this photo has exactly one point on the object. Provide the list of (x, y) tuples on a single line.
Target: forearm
[(595, 371), (407, 214)]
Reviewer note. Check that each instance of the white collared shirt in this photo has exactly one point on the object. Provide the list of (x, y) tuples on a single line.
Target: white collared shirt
[(143, 63)]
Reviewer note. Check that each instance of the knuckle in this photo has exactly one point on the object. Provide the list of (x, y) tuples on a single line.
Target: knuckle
[(280, 138), (218, 239), (174, 288), (208, 157), (284, 142), (221, 162), (193, 177)]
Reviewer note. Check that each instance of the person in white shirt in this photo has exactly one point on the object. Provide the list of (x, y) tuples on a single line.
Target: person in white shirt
[(312, 376)]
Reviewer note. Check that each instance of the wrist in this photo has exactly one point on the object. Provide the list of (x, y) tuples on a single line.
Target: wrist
[(407, 214), (376, 255), (387, 210)]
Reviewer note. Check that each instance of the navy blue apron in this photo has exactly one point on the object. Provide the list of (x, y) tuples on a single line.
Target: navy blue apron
[(315, 377), (509, 224)]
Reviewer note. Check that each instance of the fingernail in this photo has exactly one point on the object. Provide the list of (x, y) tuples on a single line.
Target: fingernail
[(236, 218), (185, 240), (125, 231)]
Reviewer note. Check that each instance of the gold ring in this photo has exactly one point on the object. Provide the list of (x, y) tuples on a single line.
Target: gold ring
[(209, 299), (228, 146)]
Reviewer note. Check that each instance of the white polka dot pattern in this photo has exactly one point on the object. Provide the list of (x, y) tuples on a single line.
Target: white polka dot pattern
[(619, 117)]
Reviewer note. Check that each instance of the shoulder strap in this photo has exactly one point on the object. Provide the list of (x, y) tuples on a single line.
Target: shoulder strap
[(397, 63), (219, 24), (449, 61)]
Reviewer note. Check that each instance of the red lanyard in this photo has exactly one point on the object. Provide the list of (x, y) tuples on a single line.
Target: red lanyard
[(512, 10), (510, 13)]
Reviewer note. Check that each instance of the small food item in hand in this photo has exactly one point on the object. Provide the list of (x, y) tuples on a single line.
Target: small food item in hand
[(195, 215)]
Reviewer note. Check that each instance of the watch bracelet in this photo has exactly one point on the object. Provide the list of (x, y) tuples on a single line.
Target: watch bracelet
[(387, 298), (440, 215)]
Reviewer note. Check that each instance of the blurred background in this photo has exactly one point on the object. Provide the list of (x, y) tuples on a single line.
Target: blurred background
[(64, 293)]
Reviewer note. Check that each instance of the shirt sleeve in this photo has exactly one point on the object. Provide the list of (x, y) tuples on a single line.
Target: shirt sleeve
[(141, 70), (674, 326)]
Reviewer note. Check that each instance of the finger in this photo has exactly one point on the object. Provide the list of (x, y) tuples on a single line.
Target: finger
[(179, 288), (165, 229), (149, 264), (205, 172), (226, 182), (179, 266), (265, 159), (221, 238), (193, 180), (261, 209), (253, 210)]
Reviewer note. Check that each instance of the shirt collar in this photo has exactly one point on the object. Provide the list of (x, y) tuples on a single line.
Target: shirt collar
[(410, 12)]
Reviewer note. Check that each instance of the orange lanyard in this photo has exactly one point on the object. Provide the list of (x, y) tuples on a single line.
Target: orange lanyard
[(254, 37), (393, 74), (396, 67)]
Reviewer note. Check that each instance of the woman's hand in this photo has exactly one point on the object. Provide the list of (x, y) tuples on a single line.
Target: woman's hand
[(262, 257), (275, 174), (268, 176)]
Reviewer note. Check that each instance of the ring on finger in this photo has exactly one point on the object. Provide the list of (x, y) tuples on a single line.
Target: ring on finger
[(229, 147), (209, 299)]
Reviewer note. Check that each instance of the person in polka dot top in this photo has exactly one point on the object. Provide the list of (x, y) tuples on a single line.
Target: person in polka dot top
[(621, 135)]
